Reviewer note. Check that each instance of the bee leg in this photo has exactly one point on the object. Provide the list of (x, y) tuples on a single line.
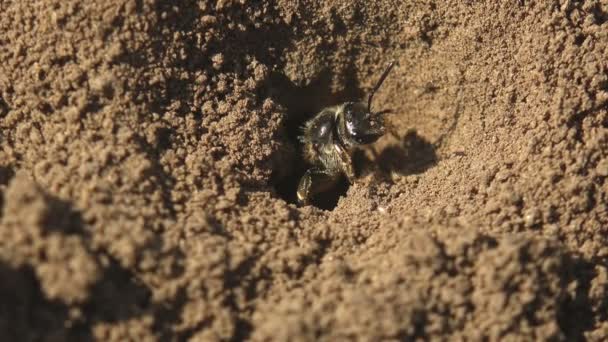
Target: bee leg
[(314, 181), (349, 171), (346, 162)]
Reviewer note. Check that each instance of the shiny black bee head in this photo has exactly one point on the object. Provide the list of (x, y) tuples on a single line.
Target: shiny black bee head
[(361, 126)]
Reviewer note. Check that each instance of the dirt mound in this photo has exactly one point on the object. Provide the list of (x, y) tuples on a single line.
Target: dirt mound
[(149, 158)]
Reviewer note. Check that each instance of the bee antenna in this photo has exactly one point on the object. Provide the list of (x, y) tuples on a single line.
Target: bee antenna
[(378, 84)]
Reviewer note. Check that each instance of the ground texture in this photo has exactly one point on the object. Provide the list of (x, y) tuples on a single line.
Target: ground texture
[(148, 162)]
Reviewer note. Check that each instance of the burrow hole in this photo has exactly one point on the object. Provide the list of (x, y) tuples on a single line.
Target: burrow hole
[(303, 103), (409, 153)]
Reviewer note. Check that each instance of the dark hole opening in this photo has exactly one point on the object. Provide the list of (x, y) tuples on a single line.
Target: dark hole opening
[(303, 103), (6, 174)]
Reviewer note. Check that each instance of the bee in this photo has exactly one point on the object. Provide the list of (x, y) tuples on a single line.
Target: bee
[(330, 138)]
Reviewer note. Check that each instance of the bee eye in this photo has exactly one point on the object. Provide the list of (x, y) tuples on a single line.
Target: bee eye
[(360, 125)]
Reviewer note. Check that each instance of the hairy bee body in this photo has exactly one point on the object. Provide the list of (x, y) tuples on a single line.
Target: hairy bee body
[(330, 138), (323, 147)]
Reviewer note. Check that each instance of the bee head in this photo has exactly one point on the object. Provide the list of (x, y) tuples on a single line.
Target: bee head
[(360, 126)]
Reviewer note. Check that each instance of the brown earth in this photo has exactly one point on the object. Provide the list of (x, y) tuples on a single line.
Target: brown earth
[(148, 164)]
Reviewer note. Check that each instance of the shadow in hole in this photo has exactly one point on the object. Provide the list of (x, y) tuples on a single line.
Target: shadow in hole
[(578, 310), (4, 108), (117, 296), (303, 103), (62, 218), (25, 313), (411, 154), (6, 174)]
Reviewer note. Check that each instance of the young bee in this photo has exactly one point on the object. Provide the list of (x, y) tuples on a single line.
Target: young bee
[(331, 137)]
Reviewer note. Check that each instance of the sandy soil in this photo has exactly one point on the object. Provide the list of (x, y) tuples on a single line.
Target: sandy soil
[(148, 166)]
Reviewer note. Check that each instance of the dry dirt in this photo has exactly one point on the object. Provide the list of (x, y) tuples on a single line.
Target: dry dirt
[(148, 165)]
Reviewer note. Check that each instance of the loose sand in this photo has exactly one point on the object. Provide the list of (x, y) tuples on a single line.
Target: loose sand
[(148, 163)]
